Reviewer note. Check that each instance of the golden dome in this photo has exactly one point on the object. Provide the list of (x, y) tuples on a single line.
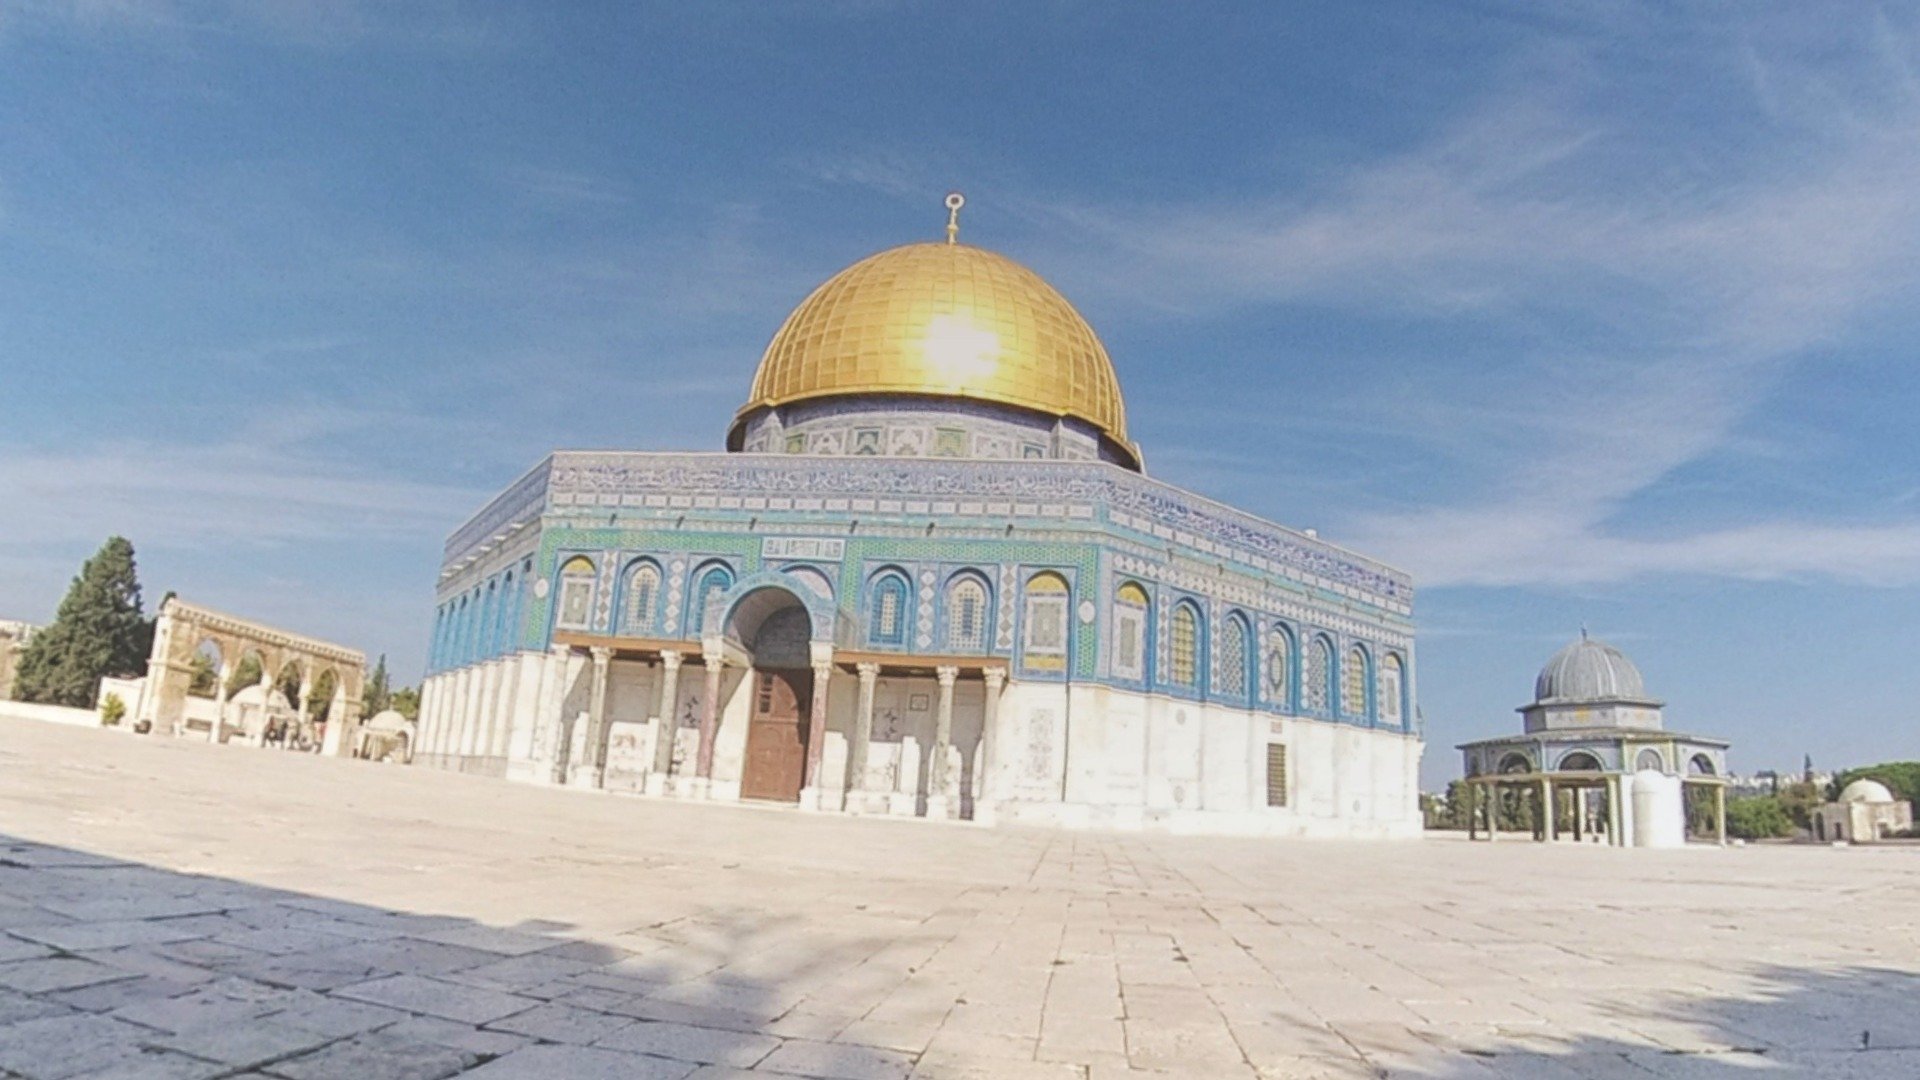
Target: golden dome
[(945, 320)]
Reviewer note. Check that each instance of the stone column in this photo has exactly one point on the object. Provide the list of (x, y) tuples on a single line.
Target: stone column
[(1614, 835), (856, 786), (1493, 811), (1546, 810), (596, 762), (306, 702), (335, 743), (1472, 791), (266, 707), (709, 721), (984, 805), (1720, 812), (219, 704), (937, 806), (821, 654), (666, 726)]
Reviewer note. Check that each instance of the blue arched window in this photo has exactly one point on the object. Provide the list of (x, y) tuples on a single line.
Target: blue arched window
[(1393, 691), (576, 594), (503, 615), (1356, 684), (1317, 691), (968, 612), (712, 582), (640, 602), (1278, 664), (1185, 647), (1233, 671), (1132, 614), (887, 608)]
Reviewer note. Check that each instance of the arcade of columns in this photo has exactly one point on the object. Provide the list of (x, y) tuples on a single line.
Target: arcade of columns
[(477, 725)]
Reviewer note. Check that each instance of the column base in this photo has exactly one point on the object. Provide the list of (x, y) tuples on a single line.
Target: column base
[(937, 807), (854, 802), (985, 813), (700, 787), (810, 800), (902, 803), (659, 783)]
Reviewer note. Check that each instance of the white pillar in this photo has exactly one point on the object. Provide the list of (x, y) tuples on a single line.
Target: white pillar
[(219, 704), (937, 805), (596, 748), (821, 653), (984, 796), (666, 726), (856, 785)]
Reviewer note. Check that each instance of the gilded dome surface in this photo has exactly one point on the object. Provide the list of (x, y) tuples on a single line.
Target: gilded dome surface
[(948, 320)]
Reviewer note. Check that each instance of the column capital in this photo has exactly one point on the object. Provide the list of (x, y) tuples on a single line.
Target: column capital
[(602, 654), (996, 677), (820, 652), (946, 674), (670, 659), (713, 651), (868, 673)]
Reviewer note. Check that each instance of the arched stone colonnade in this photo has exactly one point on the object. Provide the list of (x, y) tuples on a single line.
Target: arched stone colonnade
[(861, 732), (183, 629)]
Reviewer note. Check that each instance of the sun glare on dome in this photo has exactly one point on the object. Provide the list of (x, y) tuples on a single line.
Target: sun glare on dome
[(959, 350)]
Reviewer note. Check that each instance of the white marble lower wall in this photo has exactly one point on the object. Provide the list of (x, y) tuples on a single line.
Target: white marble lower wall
[(1090, 756)]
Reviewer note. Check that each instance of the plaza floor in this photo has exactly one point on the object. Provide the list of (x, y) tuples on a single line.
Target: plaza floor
[(178, 911)]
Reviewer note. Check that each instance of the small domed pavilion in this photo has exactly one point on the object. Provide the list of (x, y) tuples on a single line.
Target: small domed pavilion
[(1593, 733)]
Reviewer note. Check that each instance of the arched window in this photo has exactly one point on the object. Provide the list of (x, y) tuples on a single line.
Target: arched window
[(642, 602), (504, 616), (1393, 682), (966, 615), (470, 630), (1318, 679), (576, 593), (887, 609), (1045, 623), (1579, 761), (1183, 646), (1353, 683), (1130, 611), (1650, 759), (1280, 667), (712, 582), (1230, 659)]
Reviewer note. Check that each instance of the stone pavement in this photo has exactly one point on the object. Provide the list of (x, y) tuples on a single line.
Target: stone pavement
[(177, 910)]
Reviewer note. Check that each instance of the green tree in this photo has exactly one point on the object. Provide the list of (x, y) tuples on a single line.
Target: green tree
[(374, 696), (1758, 818), (99, 631), (406, 702), (1901, 777), (200, 682), (1799, 800)]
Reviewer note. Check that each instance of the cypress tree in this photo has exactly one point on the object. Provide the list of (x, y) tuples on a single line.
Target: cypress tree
[(374, 697), (98, 631)]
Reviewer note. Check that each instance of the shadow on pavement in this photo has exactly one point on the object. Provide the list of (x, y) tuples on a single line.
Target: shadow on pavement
[(114, 969)]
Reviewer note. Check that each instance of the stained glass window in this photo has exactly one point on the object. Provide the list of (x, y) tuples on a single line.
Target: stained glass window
[(966, 616), (1130, 632), (643, 590), (886, 618), (1183, 646), (1231, 659), (1319, 676), (576, 593), (1353, 683), (1279, 667), (1046, 623)]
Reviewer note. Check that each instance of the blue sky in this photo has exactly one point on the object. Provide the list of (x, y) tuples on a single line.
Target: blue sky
[(1580, 312)]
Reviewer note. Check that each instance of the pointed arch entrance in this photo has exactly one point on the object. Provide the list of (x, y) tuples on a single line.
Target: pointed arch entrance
[(775, 629)]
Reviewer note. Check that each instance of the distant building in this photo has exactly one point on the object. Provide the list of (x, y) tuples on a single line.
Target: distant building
[(13, 642), (1594, 734), (1865, 813)]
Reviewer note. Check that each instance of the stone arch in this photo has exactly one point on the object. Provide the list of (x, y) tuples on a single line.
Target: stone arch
[(1701, 765), (1578, 761), (819, 608), (1514, 761)]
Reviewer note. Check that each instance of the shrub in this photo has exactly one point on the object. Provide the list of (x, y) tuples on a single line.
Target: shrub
[(1761, 817), (113, 710)]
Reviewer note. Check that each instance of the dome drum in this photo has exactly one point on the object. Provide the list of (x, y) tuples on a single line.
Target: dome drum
[(904, 425)]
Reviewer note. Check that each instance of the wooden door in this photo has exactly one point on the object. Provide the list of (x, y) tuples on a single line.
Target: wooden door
[(776, 762)]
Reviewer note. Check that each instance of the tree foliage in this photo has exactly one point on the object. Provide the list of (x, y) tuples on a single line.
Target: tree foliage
[(375, 698), (1760, 817), (406, 702), (99, 631), (1901, 777)]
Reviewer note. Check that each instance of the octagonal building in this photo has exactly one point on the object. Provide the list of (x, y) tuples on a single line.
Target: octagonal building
[(927, 576)]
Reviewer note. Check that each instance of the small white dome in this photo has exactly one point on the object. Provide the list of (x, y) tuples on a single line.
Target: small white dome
[(1864, 790), (389, 720), (1588, 670)]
